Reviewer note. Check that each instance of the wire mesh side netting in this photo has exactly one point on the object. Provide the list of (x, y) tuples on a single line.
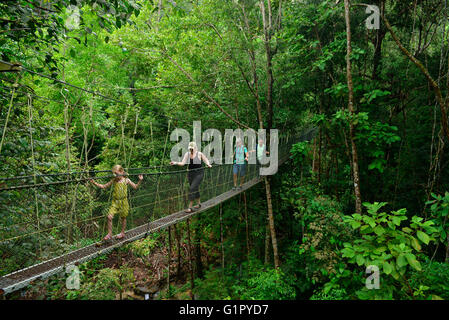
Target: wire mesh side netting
[(51, 219)]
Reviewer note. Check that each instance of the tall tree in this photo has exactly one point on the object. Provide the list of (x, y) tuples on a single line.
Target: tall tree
[(442, 102), (355, 161)]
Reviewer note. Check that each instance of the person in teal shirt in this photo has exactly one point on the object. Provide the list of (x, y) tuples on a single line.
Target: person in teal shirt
[(240, 156)]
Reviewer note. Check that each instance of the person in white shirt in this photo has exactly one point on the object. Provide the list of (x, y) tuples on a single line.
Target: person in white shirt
[(260, 149)]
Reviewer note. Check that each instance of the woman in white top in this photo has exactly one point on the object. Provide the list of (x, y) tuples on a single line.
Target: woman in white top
[(195, 173)]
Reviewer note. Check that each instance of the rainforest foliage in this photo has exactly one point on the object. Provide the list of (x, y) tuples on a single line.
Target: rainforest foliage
[(370, 189)]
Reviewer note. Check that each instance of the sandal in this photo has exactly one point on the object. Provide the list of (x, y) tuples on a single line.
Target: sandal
[(197, 206), (119, 236), (189, 210), (103, 241)]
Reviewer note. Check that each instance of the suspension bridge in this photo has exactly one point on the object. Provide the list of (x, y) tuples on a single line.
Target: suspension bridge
[(55, 218)]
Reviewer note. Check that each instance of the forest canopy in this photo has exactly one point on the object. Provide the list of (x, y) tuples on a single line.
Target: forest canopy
[(88, 84)]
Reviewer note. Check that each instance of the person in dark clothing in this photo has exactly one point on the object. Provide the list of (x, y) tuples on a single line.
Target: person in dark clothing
[(195, 173)]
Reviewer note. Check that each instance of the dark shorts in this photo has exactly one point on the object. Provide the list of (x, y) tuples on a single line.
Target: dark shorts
[(239, 169)]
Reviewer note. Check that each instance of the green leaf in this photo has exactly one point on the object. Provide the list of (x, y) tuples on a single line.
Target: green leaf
[(412, 261), (365, 227), (379, 250), (379, 230), (401, 261), (396, 220), (395, 275), (387, 267), (407, 230), (360, 259), (355, 224), (348, 252), (423, 237), (369, 221), (415, 244)]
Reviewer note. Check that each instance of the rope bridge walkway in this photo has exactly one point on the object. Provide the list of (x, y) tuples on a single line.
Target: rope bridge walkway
[(54, 220)]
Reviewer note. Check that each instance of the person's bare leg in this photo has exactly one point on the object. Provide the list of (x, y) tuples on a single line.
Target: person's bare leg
[(235, 180), (122, 234), (109, 235), (242, 179)]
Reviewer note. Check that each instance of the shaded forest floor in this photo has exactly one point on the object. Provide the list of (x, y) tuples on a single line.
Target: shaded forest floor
[(137, 271)]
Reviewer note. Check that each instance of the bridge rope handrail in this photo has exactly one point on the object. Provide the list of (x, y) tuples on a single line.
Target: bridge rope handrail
[(26, 186), (94, 218), (56, 174)]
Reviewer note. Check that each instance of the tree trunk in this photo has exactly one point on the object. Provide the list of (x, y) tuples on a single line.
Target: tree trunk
[(447, 252), (314, 158), (380, 34), (246, 225), (220, 209), (67, 123), (271, 223), (169, 259), (178, 248), (267, 243), (267, 27), (319, 157), (267, 30), (355, 164), (197, 241), (192, 283)]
